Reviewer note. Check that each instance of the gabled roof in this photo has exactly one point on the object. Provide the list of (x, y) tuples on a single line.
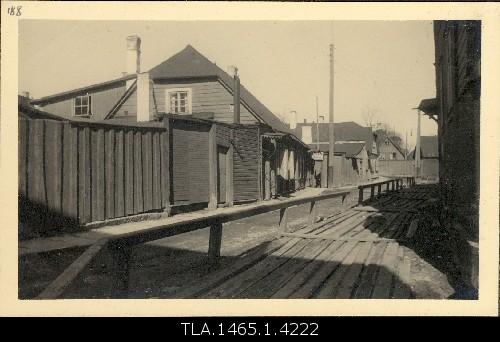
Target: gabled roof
[(343, 131), (54, 97), (382, 136), (428, 147), (189, 63)]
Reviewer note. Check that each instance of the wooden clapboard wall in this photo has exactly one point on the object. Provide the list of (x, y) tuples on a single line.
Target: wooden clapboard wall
[(246, 164), (190, 176), (73, 173)]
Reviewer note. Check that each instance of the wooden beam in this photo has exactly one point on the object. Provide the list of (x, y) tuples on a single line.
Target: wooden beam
[(215, 243), (65, 279), (283, 225), (313, 213)]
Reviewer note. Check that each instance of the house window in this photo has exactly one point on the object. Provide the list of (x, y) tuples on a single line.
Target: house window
[(178, 101), (393, 155), (386, 142), (82, 105)]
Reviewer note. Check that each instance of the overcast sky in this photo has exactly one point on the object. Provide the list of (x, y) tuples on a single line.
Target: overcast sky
[(384, 66)]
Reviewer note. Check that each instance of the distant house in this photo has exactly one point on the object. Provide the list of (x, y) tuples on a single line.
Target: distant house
[(192, 96), (353, 142), (428, 148), (387, 148)]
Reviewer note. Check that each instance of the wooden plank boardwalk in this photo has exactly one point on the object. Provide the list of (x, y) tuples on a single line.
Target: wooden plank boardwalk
[(356, 253)]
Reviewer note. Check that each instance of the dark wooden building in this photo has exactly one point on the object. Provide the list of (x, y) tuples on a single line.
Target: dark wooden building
[(457, 111)]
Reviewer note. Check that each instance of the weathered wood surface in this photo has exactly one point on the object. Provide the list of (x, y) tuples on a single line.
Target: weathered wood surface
[(350, 254)]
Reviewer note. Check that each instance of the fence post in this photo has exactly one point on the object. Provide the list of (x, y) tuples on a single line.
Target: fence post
[(312, 213), (360, 196), (215, 242), (283, 225)]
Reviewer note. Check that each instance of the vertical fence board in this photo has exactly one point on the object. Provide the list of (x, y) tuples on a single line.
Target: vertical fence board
[(53, 164), (138, 196), (146, 170), (129, 172), (84, 175), (69, 173), (119, 174), (156, 193), (97, 172), (109, 150), (22, 155), (36, 187), (165, 165)]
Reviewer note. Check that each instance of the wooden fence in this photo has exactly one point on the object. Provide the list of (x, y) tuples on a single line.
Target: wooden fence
[(429, 167), (72, 173)]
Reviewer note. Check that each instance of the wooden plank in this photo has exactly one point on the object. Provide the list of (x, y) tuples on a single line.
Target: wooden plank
[(129, 172), (36, 176), (119, 168), (65, 279), (349, 281), (330, 238), (230, 175), (84, 174), (212, 167), (307, 272), (70, 186), (199, 286), (330, 286), (138, 176), (215, 243), (147, 170), (53, 165), (274, 280), (110, 153), (370, 272), (383, 283), (156, 190), (22, 155), (402, 288), (311, 286), (244, 280), (97, 169)]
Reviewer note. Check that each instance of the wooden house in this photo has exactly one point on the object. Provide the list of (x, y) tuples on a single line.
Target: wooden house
[(387, 148), (217, 128), (355, 150)]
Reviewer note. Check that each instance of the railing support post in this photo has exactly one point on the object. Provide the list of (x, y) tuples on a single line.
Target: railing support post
[(215, 242), (283, 226), (372, 192), (392, 185), (379, 190), (312, 213), (387, 187), (360, 196)]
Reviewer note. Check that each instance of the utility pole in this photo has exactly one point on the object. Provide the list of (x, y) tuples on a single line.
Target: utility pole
[(406, 144), (417, 148), (331, 135), (317, 125)]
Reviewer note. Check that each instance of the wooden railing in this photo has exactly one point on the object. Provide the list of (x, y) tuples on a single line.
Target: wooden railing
[(391, 185), (119, 246)]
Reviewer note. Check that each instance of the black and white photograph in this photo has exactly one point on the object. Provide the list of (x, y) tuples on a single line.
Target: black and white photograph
[(250, 158)]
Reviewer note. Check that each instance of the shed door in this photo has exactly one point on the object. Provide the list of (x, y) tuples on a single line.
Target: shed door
[(221, 173)]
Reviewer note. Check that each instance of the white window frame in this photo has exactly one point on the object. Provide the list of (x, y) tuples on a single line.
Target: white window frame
[(90, 106), (189, 105)]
